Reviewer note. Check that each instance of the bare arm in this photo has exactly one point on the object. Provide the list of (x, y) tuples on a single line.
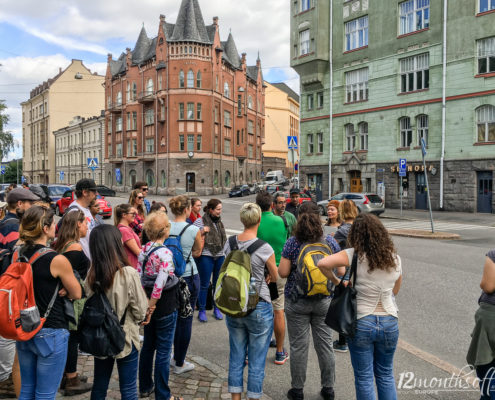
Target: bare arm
[(60, 268), (198, 245), (284, 267), (397, 285), (488, 280), (329, 263), (272, 268), (133, 246)]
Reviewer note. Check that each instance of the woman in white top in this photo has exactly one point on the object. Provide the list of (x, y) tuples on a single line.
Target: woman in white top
[(378, 280)]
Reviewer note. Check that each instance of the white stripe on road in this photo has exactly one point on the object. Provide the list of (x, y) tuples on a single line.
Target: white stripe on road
[(425, 225)]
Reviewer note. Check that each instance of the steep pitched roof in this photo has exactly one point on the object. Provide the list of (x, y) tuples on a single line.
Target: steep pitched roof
[(252, 72), (284, 88), (119, 66), (211, 32), (190, 25), (230, 53), (141, 48)]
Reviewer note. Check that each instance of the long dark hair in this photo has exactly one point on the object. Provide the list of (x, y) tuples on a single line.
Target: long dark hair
[(370, 238), (211, 205), (69, 230), (119, 211), (308, 228), (107, 254)]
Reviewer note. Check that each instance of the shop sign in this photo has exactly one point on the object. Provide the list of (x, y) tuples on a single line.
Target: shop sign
[(413, 168)]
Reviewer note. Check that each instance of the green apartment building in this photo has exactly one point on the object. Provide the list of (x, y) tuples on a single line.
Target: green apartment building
[(398, 71)]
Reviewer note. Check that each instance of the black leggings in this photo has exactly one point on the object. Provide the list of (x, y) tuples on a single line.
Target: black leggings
[(71, 364)]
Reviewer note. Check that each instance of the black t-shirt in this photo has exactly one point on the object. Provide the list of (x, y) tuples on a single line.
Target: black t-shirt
[(168, 303), (79, 262), (44, 285)]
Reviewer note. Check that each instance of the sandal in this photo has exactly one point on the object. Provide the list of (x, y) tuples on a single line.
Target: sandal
[(176, 398)]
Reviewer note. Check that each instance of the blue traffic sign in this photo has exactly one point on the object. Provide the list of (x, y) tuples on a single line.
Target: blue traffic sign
[(2, 169), (118, 175), (23, 179), (92, 163), (402, 167), (62, 174), (292, 142), (423, 146)]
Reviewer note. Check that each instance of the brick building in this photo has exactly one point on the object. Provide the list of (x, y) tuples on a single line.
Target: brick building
[(184, 111)]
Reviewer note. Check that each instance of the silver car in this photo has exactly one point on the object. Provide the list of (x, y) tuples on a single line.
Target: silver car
[(365, 202)]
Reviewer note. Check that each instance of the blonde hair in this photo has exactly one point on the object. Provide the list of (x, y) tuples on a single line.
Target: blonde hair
[(178, 204), (33, 221), (156, 225), (250, 214), (347, 210)]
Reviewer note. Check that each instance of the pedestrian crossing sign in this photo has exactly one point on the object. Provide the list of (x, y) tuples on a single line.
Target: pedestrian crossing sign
[(292, 142), (92, 163)]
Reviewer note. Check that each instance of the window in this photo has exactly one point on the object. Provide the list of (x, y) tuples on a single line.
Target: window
[(216, 144), (356, 85), (118, 124), (304, 42), (150, 178), (160, 82), (118, 100), (163, 178), (128, 124), (198, 79), (305, 5), (215, 178), (319, 137), (250, 127), (181, 79), (414, 15), (198, 143), (227, 178), (350, 137), (486, 55), (422, 126), (134, 120), (485, 116), (226, 146), (149, 87), (405, 132), (134, 91), (239, 104), (250, 102), (216, 114), (487, 5), (226, 118), (226, 90), (198, 111), (181, 142), (150, 145), (190, 142), (311, 102), (190, 78), (250, 151), (181, 110), (356, 33), (190, 110), (311, 148), (118, 147), (149, 116), (415, 73), (319, 99), (238, 137), (363, 136)]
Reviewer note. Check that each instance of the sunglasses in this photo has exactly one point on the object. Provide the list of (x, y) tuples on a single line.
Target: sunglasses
[(132, 213), (144, 189), (140, 197)]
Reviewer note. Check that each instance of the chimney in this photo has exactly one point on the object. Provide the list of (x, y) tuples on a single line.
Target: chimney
[(162, 18), (243, 58), (109, 57), (59, 70), (215, 20)]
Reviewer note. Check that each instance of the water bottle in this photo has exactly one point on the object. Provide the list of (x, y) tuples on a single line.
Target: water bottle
[(252, 286)]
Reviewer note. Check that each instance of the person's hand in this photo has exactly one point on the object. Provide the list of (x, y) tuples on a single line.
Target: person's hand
[(62, 292), (346, 283), (268, 279), (206, 229), (149, 313)]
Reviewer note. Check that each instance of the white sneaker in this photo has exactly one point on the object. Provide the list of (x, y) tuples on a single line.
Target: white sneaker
[(185, 368), (172, 361), (141, 338)]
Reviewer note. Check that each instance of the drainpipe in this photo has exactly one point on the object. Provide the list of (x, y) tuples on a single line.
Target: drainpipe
[(330, 116), (444, 105)]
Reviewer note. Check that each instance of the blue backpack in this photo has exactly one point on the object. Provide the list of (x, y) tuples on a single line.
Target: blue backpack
[(173, 244)]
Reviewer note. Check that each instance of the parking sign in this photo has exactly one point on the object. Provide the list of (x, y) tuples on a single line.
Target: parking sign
[(402, 167)]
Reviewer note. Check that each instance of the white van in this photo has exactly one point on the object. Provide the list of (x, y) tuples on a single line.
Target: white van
[(274, 177)]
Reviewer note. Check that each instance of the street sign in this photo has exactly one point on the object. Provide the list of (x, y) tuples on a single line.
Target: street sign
[(423, 146), (23, 179), (262, 174), (292, 156), (292, 142), (92, 163), (402, 167), (2, 169), (118, 176), (62, 174), (380, 170)]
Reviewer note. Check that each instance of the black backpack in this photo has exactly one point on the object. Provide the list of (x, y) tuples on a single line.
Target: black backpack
[(100, 331), (59, 223), (6, 254)]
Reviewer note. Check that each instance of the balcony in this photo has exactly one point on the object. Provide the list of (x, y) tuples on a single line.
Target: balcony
[(113, 159), (146, 156), (146, 97), (115, 108)]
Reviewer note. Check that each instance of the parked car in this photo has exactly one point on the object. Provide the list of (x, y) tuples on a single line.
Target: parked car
[(105, 191), (272, 189), (365, 202), (253, 188), (68, 197), (57, 191), (302, 199), (239, 191)]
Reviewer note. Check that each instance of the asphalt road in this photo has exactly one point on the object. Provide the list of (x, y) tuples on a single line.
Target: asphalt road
[(437, 303)]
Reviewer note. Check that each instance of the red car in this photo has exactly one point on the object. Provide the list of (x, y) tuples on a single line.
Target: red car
[(68, 197), (303, 198)]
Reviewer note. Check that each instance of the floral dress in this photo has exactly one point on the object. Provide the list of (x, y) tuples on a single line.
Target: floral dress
[(160, 266)]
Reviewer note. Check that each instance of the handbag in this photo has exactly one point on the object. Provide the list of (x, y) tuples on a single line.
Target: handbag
[(342, 313)]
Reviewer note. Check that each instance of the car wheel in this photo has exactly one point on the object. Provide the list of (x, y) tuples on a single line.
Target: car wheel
[(57, 211), (322, 210)]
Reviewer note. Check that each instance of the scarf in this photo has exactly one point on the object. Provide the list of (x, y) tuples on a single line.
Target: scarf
[(216, 238)]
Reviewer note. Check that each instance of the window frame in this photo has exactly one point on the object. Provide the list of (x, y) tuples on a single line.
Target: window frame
[(363, 136), (181, 111), (311, 145), (199, 111), (304, 43), (149, 86), (408, 19), (190, 111), (199, 143), (353, 35), (487, 121), (356, 85), (320, 142), (150, 145), (406, 73), (405, 132), (190, 142), (190, 78), (320, 99), (489, 7), (181, 79), (181, 143), (149, 116), (350, 137), (198, 79), (421, 128), (310, 102), (226, 90), (487, 54)]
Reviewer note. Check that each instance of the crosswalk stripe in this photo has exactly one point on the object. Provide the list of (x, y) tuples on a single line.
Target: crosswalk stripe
[(425, 225)]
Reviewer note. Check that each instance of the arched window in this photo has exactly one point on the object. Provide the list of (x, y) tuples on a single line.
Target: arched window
[(149, 87), (485, 118), (405, 132), (118, 100), (163, 179), (363, 136), (160, 42), (250, 102), (198, 79), (227, 178), (190, 78), (109, 179), (226, 90), (422, 126), (181, 79), (132, 177), (215, 178), (150, 178), (350, 137)]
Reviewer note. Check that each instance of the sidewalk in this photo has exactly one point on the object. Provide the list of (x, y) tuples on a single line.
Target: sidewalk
[(450, 216)]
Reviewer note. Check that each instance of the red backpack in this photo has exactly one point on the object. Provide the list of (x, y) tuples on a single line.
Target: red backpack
[(19, 316)]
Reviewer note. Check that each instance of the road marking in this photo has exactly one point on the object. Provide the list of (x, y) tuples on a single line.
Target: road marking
[(440, 226)]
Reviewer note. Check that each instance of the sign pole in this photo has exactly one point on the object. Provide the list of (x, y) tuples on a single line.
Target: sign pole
[(401, 195), (423, 152)]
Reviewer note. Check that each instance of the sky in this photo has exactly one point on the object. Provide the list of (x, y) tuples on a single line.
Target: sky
[(39, 37)]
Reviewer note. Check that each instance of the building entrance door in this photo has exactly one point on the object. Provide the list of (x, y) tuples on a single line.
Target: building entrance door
[(421, 192), (190, 182), (355, 179), (485, 192)]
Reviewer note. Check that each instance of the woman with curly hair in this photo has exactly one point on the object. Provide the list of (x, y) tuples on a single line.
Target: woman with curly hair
[(378, 280)]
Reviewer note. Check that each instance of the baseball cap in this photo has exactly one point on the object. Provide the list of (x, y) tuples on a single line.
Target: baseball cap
[(21, 194), (294, 191), (86, 184)]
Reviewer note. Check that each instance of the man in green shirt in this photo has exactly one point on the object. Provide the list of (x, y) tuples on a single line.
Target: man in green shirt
[(279, 203), (272, 230)]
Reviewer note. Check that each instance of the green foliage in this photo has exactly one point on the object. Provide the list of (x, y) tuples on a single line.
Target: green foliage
[(11, 172), (6, 138)]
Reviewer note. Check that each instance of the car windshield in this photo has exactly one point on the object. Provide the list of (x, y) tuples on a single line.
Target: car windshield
[(57, 190), (236, 188), (374, 198)]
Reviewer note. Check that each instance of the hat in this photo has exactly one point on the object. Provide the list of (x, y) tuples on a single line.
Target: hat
[(21, 194), (334, 203), (86, 184), (294, 191)]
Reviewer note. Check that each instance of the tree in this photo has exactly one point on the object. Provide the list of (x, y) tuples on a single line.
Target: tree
[(6, 138), (11, 171)]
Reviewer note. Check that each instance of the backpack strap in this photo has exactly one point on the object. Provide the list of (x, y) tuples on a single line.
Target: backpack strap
[(67, 246), (180, 236), (149, 253), (233, 243), (52, 301), (40, 253), (255, 246)]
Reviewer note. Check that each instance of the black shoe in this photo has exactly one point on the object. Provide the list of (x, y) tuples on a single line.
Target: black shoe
[(148, 393), (295, 394), (327, 393), (273, 343)]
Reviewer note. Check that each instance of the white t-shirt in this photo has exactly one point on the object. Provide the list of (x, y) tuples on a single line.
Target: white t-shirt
[(91, 224)]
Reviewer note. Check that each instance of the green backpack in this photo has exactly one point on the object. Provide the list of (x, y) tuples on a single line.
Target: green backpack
[(232, 290)]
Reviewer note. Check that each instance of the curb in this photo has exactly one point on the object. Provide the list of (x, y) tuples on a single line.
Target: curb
[(424, 234)]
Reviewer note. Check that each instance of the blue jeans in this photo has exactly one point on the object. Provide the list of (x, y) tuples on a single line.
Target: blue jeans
[(372, 355), (127, 368), (486, 375), (42, 362), (184, 325), (159, 336), (206, 266), (249, 336)]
